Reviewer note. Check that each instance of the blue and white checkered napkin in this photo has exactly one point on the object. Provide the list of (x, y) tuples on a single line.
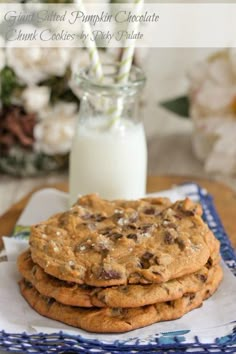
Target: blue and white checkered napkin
[(211, 329)]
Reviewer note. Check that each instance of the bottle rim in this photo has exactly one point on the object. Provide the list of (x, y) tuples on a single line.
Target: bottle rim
[(87, 82)]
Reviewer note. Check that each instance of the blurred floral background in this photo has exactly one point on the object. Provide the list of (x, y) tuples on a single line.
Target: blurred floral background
[(39, 106), (188, 106), (39, 103), (211, 104)]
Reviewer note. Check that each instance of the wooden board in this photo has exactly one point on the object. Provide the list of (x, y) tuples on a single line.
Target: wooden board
[(225, 201)]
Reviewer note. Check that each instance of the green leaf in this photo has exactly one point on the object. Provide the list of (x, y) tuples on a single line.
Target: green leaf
[(60, 90), (9, 85), (178, 106)]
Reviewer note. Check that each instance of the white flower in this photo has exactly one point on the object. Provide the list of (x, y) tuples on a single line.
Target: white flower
[(214, 99), (220, 70), (35, 98), (213, 109), (217, 70), (213, 86), (214, 137), (197, 74), (54, 132), (222, 158), (34, 64)]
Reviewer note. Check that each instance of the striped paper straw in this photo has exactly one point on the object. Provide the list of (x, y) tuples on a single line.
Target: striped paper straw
[(125, 65), (128, 53), (96, 66)]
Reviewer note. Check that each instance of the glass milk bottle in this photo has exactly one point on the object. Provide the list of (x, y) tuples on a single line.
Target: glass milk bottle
[(109, 152)]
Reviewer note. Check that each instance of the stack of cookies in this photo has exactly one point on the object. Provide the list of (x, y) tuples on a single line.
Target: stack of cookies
[(114, 266)]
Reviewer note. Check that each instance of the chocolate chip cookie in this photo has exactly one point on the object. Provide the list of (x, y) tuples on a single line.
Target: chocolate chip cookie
[(105, 243), (73, 294), (119, 319)]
